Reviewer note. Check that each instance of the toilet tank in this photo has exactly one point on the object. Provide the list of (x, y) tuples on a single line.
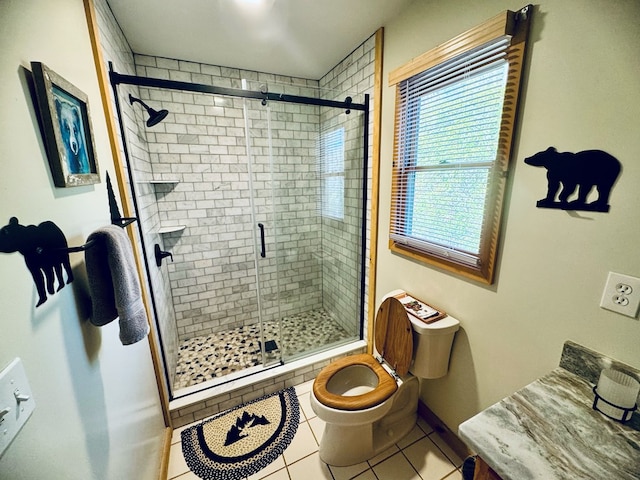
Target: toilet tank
[(432, 346), (432, 343)]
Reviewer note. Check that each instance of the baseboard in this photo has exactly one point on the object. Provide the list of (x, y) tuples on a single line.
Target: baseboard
[(166, 452), (457, 445)]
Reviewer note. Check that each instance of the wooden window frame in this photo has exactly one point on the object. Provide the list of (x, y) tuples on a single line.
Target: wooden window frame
[(507, 23)]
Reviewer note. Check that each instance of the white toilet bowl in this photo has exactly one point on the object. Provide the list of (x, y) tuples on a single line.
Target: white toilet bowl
[(353, 436), (351, 381)]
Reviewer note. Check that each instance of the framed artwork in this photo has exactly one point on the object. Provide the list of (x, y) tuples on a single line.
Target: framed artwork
[(64, 111)]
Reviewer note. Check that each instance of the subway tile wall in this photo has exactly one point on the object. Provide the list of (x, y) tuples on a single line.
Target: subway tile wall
[(341, 273)]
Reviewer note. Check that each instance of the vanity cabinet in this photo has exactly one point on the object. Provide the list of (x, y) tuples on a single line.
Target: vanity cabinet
[(484, 471)]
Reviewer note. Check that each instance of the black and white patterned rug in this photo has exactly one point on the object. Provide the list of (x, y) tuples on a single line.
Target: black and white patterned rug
[(242, 441)]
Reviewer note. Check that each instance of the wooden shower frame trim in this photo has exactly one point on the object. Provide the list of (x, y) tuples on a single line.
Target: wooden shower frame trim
[(103, 82), (375, 184)]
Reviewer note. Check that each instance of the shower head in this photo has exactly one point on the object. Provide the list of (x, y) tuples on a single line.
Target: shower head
[(155, 116)]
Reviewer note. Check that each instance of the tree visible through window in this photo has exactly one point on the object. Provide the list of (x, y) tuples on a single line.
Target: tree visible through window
[(456, 140), (332, 173), (454, 124)]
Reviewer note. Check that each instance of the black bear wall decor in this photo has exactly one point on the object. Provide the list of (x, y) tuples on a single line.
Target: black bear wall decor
[(584, 170), (45, 251)]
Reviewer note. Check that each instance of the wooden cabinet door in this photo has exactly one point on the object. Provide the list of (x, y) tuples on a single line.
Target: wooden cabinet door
[(483, 471)]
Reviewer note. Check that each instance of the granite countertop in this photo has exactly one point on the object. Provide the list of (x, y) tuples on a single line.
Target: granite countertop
[(548, 430)]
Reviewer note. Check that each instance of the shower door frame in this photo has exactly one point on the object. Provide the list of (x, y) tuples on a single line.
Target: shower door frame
[(116, 79)]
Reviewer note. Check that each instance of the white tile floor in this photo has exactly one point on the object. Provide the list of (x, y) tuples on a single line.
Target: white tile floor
[(421, 455)]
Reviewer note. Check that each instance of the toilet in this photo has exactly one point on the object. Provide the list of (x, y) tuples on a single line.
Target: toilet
[(369, 402)]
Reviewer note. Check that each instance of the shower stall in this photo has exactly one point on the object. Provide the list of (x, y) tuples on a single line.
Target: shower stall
[(251, 208)]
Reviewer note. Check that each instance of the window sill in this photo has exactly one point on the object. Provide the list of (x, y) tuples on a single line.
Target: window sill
[(484, 276)]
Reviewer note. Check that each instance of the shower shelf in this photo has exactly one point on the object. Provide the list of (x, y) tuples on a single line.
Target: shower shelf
[(171, 229)]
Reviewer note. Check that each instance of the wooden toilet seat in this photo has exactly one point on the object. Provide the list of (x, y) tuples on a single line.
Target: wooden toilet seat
[(394, 341), (386, 384)]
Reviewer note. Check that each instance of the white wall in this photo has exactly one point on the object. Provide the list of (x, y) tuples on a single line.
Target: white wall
[(97, 411), (581, 92)]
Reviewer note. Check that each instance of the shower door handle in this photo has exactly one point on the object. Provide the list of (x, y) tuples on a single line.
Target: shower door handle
[(263, 252)]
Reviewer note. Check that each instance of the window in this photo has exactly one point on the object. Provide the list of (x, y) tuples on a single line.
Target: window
[(332, 173), (455, 114)]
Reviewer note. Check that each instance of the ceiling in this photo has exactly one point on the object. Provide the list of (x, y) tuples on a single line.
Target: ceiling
[(301, 38)]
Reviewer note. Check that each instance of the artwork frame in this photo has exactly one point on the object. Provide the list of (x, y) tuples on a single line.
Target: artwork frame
[(66, 128)]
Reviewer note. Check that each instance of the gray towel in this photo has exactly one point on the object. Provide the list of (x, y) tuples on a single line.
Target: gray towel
[(114, 285)]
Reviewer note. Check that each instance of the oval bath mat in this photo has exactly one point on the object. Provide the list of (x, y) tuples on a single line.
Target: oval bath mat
[(240, 442)]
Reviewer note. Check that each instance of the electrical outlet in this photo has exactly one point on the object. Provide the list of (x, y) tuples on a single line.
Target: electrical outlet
[(621, 294)]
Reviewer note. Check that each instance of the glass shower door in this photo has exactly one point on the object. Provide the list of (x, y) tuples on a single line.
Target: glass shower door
[(260, 157), (287, 199), (306, 228), (297, 228)]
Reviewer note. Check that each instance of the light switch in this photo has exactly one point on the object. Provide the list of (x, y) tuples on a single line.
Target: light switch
[(16, 402)]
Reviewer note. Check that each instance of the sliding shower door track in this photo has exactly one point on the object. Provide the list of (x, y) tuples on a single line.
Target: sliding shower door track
[(118, 78)]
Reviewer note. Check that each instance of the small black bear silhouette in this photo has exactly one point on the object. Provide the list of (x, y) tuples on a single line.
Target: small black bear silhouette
[(584, 170), (44, 250)]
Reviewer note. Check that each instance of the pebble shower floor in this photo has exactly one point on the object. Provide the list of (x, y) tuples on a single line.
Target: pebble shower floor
[(207, 357)]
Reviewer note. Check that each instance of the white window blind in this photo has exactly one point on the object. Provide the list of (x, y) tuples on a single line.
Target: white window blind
[(448, 124), (332, 173)]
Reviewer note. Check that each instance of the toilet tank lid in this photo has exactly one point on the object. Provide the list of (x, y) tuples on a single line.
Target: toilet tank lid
[(443, 326)]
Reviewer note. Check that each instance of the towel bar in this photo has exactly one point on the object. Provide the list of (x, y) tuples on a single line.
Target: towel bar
[(121, 222), (81, 248), (45, 249)]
